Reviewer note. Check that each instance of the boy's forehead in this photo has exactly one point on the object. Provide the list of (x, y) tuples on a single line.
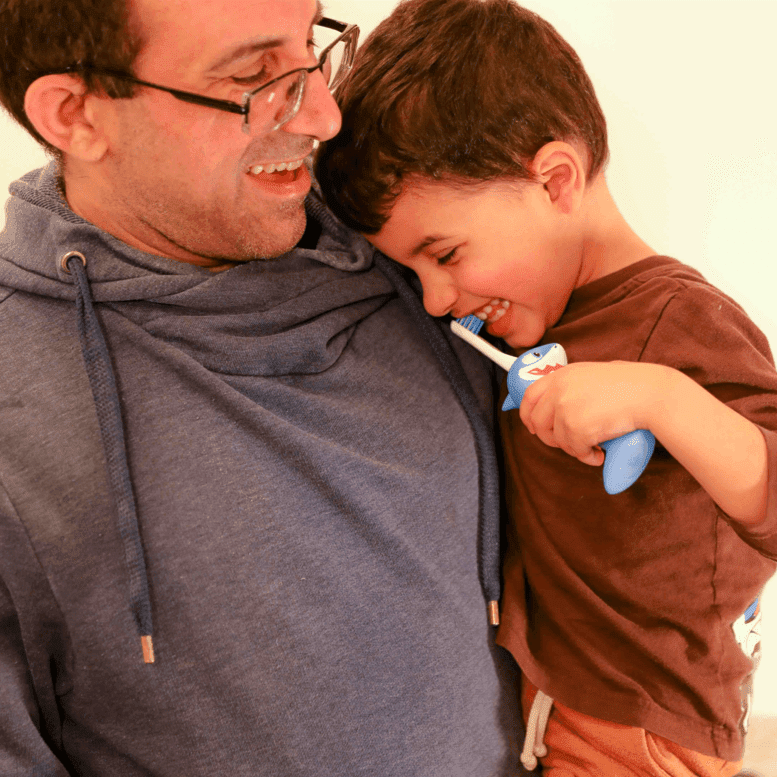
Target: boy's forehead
[(421, 215), (426, 201), (192, 36), (428, 211), (422, 199), (418, 203)]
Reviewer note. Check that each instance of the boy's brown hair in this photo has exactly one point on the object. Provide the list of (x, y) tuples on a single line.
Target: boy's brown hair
[(460, 91), (44, 36)]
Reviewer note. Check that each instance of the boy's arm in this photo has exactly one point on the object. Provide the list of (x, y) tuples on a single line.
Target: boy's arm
[(724, 451), (586, 403)]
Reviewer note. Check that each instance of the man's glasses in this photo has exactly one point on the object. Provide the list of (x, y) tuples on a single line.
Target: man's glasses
[(277, 102)]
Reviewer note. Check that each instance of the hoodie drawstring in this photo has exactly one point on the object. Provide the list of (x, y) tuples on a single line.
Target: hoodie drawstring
[(106, 398), (534, 743), (103, 384), (490, 526)]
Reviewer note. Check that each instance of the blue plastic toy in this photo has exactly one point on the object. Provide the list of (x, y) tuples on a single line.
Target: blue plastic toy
[(625, 457)]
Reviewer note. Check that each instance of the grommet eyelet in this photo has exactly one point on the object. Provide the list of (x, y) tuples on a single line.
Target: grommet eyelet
[(69, 255)]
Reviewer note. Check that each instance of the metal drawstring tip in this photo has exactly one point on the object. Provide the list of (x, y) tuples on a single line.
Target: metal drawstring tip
[(493, 613), (148, 649)]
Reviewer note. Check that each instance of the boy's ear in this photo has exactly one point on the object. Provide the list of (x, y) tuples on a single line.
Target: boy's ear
[(62, 111), (559, 168)]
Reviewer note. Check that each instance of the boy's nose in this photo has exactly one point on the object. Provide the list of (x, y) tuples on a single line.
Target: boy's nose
[(439, 296)]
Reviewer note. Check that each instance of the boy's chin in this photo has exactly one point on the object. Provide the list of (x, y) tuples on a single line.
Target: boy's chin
[(517, 339), (519, 343), (503, 329)]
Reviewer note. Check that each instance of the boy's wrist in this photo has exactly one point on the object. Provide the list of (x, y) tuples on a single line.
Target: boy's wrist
[(663, 387)]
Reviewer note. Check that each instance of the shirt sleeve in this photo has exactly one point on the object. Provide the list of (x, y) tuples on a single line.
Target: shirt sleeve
[(706, 335)]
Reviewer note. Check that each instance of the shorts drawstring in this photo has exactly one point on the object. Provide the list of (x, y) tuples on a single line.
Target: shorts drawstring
[(534, 745)]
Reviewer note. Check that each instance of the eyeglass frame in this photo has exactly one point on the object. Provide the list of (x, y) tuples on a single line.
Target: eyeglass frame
[(244, 108)]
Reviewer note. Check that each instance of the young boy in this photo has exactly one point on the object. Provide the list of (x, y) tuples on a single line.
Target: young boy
[(472, 152)]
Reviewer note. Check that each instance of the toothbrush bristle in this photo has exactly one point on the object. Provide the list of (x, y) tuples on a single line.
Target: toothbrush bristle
[(473, 323)]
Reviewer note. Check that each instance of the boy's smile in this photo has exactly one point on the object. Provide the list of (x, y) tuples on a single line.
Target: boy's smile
[(497, 249)]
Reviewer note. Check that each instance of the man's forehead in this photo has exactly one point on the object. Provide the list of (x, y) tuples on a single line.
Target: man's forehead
[(209, 30)]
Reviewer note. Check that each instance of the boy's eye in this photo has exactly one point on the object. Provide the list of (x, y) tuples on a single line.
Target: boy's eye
[(448, 258)]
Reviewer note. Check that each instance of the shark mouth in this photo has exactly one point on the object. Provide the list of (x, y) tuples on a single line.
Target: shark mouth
[(541, 362), (546, 370)]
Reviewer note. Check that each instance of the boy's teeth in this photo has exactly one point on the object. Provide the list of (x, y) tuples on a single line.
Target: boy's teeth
[(493, 311)]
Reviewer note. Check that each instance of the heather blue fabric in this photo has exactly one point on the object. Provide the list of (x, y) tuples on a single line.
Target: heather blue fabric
[(306, 485), (489, 548)]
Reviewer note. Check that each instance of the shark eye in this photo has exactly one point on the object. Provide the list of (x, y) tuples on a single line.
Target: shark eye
[(537, 354)]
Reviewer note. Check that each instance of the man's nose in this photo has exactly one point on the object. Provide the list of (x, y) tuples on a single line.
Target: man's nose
[(318, 115)]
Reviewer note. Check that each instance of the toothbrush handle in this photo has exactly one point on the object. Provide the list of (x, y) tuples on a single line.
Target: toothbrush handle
[(625, 459), (504, 360)]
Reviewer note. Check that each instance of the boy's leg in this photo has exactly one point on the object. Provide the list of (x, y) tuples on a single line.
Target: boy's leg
[(582, 746)]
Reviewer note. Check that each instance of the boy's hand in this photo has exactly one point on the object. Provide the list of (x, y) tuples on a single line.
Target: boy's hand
[(586, 403)]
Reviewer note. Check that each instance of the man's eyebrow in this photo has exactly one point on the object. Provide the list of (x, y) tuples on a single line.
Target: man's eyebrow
[(244, 50), (261, 43)]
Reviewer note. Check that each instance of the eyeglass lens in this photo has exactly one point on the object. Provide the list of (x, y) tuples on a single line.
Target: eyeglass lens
[(271, 108)]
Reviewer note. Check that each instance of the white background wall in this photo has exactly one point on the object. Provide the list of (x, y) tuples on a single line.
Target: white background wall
[(688, 88)]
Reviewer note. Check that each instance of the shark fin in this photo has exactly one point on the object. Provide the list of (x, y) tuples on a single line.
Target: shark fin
[(510, 403)]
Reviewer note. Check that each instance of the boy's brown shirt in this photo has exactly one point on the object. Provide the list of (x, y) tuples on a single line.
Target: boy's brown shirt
[(625, 607)]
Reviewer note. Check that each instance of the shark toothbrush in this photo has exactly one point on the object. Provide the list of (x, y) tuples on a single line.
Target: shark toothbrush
[(625, 457)]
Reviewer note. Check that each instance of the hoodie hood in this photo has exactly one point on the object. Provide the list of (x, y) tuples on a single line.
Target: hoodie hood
[(205, 314)]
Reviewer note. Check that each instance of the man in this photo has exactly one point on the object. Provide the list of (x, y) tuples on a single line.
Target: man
[(240, 527)]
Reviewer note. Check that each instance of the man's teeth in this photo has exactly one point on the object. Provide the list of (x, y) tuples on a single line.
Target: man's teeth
[(493, 311), (272, 168)]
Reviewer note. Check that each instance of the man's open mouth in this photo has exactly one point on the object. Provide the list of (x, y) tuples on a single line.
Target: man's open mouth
[(276, 167)]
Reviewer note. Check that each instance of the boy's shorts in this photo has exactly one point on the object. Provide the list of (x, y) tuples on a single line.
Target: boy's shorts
[(581, 745)]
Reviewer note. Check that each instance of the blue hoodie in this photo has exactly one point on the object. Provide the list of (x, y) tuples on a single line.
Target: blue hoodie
[(269, 471)]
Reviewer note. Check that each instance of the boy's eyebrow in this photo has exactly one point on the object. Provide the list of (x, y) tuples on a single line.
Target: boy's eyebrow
[(261, 43), (427, 241)]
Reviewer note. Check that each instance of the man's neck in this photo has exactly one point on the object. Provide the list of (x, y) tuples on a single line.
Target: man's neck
[(99, 207)]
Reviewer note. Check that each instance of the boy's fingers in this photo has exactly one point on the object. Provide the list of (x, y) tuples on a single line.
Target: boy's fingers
[(592, 456), (595, 457), (573, 445), (547, 436), (539, 420), (526, 410)]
